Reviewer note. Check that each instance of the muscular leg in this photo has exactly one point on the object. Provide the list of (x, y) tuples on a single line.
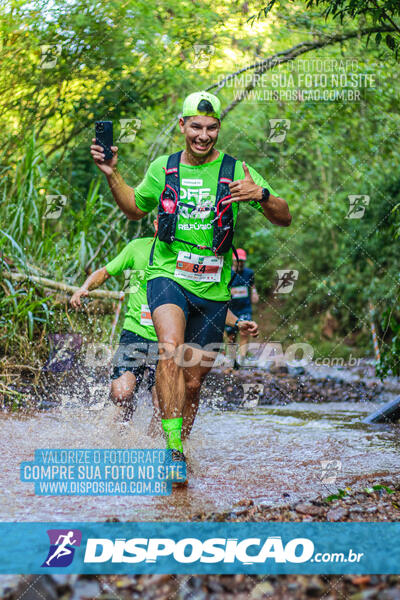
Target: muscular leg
[(169, 323), (191, 406), (122, 390), (194, 377)]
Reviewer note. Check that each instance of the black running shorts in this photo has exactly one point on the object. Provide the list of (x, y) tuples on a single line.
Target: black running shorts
[(133, 355), (205, 319)]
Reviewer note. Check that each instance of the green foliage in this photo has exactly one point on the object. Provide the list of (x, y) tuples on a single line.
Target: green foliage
[(135, 60), (379, 488), (22, 314), (383, 13), (63, 245), (390, 359), (341, 494), (110, 63), (262, 13)]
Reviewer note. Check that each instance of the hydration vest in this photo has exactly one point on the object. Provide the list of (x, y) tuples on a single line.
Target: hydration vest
[(169, 204)]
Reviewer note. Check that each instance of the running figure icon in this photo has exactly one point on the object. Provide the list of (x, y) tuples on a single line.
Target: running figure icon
[(286, 281), (62, 549)]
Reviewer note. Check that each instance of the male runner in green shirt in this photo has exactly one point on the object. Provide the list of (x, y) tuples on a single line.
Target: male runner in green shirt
[(134, 353), (188, 288)]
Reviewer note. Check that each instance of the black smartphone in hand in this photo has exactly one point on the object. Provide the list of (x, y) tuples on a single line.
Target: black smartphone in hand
[(104, 137)]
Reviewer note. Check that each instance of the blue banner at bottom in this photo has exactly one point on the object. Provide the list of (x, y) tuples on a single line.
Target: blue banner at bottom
[(218, 548)]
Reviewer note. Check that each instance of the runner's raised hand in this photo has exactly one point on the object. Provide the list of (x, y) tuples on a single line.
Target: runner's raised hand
[(244, 190), (106, 166), (248, 327)]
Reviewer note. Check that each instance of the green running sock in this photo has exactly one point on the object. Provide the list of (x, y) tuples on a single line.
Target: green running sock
[(173, 429)]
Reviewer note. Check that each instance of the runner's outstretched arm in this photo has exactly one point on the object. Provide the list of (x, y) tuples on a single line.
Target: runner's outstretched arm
[(92, 282), (276, 210), (249, 327), (124, 194)]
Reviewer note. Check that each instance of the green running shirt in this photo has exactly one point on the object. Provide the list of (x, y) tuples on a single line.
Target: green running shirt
[(198, 188), (134, 259)]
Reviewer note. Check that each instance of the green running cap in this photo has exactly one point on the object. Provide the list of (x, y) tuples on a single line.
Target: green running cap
[(200, 99)]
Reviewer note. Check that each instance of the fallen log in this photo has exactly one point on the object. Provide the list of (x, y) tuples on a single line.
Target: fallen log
[(58, 285), (388, 413)]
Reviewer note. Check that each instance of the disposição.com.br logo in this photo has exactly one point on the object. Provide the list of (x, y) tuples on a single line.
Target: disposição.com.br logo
[(62, 547)]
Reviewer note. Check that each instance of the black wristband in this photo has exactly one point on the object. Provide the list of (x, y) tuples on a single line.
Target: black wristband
[(265, 196)]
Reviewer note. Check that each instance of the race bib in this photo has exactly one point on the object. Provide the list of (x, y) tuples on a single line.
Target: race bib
[(199, 268), (145, 315), (241, 291)]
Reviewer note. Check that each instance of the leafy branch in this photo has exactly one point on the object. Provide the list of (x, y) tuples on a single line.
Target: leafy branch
[(288, 55)]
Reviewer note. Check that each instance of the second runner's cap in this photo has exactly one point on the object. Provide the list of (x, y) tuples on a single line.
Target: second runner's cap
[(202, 103), (241, 254)]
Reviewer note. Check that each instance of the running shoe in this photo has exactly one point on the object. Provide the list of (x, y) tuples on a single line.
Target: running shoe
[(177, 459), (178, 456)]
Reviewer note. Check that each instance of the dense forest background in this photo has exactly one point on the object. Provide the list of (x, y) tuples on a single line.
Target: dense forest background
[(66, 64)]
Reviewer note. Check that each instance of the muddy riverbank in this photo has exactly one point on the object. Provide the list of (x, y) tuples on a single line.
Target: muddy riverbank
[(267, 446)]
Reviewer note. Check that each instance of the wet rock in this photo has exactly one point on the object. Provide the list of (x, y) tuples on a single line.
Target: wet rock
[(36, 588), (85, 589), (261, 590), (356, 509), (64, 579), (365, 595), (390, 594), (239, 587), (393, 594), (224, 391), (198, 595), (337, 514), (295, 371), (47, 404), (245, 502), (279, 370), (228, 582), (239, 511), (125, 582), (293, 586), (216, 587), (314, 588), (306, 508), (156, 580)]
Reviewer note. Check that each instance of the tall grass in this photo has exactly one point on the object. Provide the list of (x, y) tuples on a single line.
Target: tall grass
[(55, 248)]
